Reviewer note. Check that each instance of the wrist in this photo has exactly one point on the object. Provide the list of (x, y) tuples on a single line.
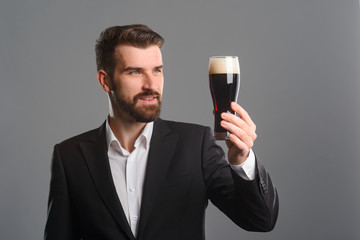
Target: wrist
[(240, 159)]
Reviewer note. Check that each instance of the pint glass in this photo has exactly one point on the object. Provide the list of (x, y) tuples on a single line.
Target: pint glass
[(224, 81)]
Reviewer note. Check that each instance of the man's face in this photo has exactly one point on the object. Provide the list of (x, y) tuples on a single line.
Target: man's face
[(138, 82)]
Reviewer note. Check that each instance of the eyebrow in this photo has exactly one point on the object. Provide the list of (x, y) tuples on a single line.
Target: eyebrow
[(160, 66), (130, 68)]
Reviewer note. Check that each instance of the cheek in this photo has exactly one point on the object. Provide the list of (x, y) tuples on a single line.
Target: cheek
[(161, 85), (129, 88)]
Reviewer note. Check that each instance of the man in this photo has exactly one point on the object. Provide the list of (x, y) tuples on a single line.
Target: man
[(141, 177)]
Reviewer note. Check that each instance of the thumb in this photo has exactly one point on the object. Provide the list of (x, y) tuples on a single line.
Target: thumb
[(229, 143)]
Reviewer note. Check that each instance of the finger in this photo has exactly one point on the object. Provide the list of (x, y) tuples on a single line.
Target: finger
[(238, 132), (229, 117), (242, 114), (238, 143)]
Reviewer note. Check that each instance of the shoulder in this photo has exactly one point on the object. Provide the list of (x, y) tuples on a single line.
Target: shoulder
[(187, 130), (90, 135), (181, 126)]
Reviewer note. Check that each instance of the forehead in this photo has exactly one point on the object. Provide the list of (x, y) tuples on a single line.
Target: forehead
[(127, 56)]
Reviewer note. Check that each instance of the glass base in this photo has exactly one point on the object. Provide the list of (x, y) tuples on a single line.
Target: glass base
[(221, 135)]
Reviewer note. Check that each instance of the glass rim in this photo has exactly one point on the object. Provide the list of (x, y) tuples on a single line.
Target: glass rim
[(224, 57)]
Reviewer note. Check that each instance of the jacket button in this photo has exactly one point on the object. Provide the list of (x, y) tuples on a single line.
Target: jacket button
[(263, 185), (264, 188)]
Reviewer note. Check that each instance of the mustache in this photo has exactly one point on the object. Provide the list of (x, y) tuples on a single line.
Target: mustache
[(147, 93)]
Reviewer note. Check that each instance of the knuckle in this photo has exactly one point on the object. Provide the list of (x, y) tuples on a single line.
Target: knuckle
[(243, 125), (247, 149), (239, 133), (232, 117), (251, 144), (255, 136), (243, 133)]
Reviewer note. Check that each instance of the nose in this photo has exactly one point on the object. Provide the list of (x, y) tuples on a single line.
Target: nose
[(151, 82)]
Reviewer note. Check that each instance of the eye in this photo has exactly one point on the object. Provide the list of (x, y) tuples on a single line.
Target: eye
[(158, 70), (135, 72)]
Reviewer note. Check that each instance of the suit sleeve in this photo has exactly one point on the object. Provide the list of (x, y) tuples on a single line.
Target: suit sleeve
[(60, 221), (252, 205)]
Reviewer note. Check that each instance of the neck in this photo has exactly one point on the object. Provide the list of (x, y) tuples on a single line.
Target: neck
[(126, 130)]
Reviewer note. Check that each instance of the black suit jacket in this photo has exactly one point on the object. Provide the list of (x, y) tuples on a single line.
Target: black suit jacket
[(185, 168)]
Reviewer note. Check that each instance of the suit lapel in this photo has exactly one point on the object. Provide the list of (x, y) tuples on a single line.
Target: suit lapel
[(95, 153), (162, 147)]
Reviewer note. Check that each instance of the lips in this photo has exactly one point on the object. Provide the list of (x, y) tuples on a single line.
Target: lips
[(148, 98)]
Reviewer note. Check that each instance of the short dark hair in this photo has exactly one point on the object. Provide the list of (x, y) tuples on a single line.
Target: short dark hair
[(137, 35)]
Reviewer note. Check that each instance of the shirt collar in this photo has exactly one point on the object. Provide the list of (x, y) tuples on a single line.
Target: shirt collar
[(146, 135)]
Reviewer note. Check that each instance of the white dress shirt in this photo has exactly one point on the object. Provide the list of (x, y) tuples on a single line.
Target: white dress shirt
[(128, 171)]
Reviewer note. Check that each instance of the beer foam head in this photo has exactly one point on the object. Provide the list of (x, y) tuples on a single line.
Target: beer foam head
[(224, 64)]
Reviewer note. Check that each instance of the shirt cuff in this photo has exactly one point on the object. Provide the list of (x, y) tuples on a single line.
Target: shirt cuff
[(246, 170)]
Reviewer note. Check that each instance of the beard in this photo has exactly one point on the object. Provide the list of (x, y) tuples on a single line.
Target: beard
[(144, 113)]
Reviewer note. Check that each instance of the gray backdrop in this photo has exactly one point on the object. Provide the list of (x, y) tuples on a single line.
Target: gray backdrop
[(300, 83)]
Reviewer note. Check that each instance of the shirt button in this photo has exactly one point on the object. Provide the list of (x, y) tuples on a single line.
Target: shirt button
[(132, 189), (135, 218)]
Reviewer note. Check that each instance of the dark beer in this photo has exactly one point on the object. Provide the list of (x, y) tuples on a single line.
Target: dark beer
[(224, 81)]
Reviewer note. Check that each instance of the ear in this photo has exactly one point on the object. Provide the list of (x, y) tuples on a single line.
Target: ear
[(104, 80)]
